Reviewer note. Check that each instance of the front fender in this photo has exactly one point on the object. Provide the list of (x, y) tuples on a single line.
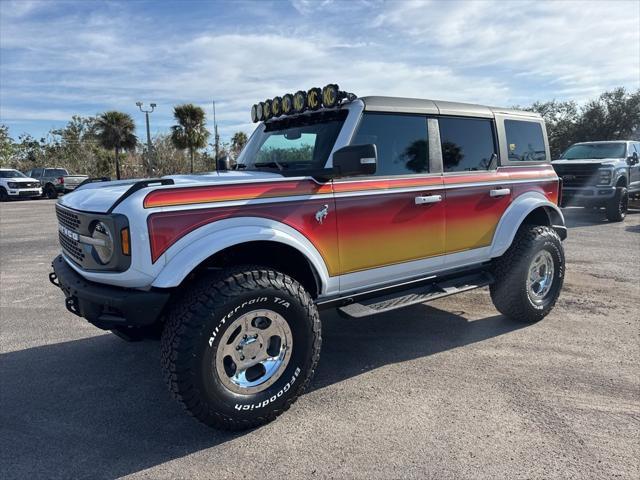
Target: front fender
[(193, 249), (515, 214)]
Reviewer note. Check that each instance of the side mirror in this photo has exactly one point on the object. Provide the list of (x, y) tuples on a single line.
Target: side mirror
[(355, 160), (633, 159)]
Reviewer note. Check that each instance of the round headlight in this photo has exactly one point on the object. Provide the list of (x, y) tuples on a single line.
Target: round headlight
[(313, 98), (330, 95), (266, 110), (103, 248), (276, 106), (287, 103), (300, 101), (254, 113)]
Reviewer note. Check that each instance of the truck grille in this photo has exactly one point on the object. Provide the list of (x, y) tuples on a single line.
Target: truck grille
[(68, 219), (578, 175), (71, 247)]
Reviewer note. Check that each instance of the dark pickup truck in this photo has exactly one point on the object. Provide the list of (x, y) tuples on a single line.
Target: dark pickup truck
[(55, 181), (600, 174)]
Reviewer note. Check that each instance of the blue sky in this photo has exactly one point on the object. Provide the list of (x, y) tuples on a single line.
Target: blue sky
[(63, 58)]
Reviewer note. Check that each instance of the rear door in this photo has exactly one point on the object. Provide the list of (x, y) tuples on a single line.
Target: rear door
[(477, 194), (634, 170), (391, 224)]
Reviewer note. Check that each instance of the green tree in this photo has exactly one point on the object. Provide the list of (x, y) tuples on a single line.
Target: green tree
[(190, 132), (7, 148), (238, 141), (115, 131)]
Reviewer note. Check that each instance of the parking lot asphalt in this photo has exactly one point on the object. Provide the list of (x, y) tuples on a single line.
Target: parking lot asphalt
[(445, 390)]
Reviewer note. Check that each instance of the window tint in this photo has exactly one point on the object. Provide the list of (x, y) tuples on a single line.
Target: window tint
[(467, 143), (37, 172), (401, 141), (55, 172), (525, 141)]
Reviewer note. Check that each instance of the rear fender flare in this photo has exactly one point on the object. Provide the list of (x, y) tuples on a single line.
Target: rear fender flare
[(515, 214), (193, 249)]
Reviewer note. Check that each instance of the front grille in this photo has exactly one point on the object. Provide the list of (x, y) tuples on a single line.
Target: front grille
[(578, 175), (28, 185), (71, 247), (68, 219)]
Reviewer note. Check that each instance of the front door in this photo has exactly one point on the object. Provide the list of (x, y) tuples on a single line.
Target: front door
[(390, 225), (634, 170)]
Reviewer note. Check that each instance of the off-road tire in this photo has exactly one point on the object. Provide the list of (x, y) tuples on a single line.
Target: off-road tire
[(196, 325), (50, 192), (4, 196), (617, 208), (509, 292)]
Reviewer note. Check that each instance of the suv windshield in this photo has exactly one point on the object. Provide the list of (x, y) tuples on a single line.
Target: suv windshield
[(302, 143), (11, 174), (595, 150)]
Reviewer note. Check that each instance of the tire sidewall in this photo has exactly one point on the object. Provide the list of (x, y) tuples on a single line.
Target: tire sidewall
[(547, 244), (219, 398)]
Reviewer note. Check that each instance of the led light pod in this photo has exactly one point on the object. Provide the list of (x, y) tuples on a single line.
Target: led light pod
[(330, 95), (276, 106), (259, 112), (254, 113), (314, 97), (300, 101), (287, 104), (266, 113)]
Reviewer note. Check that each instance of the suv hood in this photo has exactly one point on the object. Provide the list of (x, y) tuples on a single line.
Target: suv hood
[(588, 161), (22, 180), (100, 196)]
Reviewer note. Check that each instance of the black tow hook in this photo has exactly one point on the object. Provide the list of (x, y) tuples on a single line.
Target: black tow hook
[(72, 305), (53, 278)]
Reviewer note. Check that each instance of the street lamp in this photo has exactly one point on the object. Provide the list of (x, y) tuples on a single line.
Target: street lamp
[(149, 146)]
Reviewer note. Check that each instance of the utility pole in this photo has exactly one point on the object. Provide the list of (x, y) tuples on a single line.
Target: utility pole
[(149, 146), (216, 137)]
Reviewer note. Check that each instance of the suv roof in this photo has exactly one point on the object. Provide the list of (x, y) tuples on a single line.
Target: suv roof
[(418, 105)]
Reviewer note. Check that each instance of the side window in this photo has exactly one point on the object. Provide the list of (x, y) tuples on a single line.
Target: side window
[(468, 144), (525, 141), (36, 172), (401, 141)]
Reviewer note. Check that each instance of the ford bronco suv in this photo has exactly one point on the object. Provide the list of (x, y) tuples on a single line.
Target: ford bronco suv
[(362, 204), (600, 174)]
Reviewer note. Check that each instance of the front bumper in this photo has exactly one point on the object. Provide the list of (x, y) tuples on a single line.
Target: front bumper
[(587, 195), (24, 193), (106, 306)]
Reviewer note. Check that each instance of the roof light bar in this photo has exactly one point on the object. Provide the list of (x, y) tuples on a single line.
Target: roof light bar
[(328, 97)]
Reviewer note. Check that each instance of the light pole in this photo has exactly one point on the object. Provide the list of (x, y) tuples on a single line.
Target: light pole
[(216, 138), (149, 146)]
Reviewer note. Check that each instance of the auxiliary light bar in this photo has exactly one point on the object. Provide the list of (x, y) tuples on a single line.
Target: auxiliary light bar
[(328, 97)]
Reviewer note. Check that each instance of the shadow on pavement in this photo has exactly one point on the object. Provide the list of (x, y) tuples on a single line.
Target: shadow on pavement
[(585, 217), (98, 408)]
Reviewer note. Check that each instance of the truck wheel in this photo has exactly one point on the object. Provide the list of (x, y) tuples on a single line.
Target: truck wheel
[(4, 196), (529, 276), (240, 346), (617, 209), (50, 192)]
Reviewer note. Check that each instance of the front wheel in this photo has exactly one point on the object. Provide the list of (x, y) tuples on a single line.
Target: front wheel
[(50, 192), (617, 208), (4, 196), (529, 276), (241, 346)]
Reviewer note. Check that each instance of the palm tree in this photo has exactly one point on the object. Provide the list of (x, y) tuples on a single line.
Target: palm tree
[(238, 141), (115, 131), (190, 132)]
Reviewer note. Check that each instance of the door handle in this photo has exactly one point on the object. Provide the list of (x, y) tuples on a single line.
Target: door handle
[(428, 199), (499, 192)]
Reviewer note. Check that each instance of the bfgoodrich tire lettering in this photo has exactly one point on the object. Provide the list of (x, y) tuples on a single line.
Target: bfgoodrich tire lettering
[(511, 293), (198, 323)]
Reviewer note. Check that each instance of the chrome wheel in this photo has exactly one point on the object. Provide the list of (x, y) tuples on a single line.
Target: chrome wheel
[(540, 276), (254, 352)]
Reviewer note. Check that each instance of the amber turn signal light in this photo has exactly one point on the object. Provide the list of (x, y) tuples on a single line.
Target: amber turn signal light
[(125, 241)]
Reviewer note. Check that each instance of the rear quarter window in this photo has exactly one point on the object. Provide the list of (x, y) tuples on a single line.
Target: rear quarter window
[(525, 141)]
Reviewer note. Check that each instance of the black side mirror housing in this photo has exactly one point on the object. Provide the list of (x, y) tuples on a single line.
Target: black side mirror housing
[(355, 160), (633, 159)]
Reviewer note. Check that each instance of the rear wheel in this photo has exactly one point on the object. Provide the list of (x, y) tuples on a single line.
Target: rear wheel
[(50, 192), (529, 276), (241, 346), (617, 208)]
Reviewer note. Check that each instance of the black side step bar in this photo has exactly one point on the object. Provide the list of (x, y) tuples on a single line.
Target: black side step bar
[(412, 296)]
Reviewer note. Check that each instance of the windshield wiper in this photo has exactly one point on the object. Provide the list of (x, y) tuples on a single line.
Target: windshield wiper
[(273, 164)]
